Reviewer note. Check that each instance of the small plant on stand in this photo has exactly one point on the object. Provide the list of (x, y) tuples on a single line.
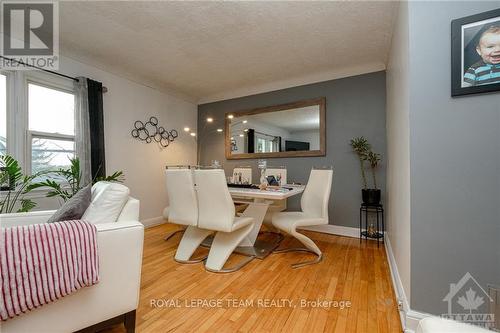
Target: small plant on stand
[(373, 159), (361, 147)]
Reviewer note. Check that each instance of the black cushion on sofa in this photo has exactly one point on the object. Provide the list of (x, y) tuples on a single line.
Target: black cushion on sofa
[(74, 208)]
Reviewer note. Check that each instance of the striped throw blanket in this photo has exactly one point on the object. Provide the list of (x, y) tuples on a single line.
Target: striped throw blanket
[(41, 263)]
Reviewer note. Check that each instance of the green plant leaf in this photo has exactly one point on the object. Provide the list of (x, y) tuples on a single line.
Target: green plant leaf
[(117, 176), (26, 205), (14, 171)]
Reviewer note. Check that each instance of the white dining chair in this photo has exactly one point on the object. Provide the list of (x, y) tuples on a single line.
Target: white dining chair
[(277, 172), (314, 206), (245, 172), (217, 213), (277, 205), (166, 210), (183, 210)]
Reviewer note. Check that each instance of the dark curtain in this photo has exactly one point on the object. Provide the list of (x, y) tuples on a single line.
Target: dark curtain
[(96, 118), (251, 141)]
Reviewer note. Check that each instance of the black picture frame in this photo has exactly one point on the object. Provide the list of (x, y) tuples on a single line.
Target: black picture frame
[(462, 54)]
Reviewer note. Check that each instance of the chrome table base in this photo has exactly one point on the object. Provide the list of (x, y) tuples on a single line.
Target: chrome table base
[(260, 250)]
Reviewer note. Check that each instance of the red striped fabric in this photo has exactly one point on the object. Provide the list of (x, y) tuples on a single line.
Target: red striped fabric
[(41, 263)]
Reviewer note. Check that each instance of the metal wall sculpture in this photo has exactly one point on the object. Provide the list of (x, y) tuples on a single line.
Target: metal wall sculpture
[(150, 131)]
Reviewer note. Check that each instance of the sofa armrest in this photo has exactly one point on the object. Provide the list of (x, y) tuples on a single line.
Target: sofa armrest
[(120, 261), (20, 219)]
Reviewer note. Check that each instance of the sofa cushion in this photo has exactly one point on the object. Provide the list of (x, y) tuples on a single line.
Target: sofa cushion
[(107, 202), (74, 208)]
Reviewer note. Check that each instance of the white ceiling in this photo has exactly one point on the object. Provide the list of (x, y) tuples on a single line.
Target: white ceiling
[(213, 50)]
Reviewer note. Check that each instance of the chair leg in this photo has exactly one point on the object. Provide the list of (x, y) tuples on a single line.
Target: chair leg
[(310, 247), (191, 240), (223, 245), (172, 234)]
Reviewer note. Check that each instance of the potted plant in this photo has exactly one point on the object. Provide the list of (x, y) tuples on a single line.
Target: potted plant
[(16, 187), (66, 182), (370, 196)]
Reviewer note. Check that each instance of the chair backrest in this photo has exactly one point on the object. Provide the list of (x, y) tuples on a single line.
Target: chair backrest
[(183, 204), (316, 195), (246, 174), (277, 172), (216, 206)]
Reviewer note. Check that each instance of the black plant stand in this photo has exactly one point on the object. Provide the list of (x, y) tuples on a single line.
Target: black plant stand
[(378, 209)]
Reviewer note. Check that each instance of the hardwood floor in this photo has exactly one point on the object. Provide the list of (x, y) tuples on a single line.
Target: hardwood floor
[(350, 271)]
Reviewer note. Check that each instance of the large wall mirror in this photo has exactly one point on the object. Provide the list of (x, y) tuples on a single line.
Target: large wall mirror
[(286, 130)]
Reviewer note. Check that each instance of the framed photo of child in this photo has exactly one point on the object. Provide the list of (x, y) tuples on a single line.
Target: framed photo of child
[(475, 54)]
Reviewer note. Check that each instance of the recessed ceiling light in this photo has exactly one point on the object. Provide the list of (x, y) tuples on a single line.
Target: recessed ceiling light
[(230, 116), (245, 121), (241, 135), (245, 130), (209, 119), (193, 134), (219, 130), (186, 129)]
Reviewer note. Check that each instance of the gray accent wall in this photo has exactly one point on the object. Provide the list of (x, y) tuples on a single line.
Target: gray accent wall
[(355, 106), (455, 164)]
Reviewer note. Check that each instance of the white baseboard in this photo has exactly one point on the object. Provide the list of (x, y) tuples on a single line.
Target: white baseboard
[(409, 317), (334, 230), (148, 223)]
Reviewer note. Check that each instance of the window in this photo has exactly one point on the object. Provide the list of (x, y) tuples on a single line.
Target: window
[(37, 119), (3, 114), (267, 145), (51, 135)]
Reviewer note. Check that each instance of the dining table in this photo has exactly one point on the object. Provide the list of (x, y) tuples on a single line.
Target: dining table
[(259, 201)]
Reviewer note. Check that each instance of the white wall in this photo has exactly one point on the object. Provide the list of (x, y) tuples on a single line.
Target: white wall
[(398, 149), (143, 164)]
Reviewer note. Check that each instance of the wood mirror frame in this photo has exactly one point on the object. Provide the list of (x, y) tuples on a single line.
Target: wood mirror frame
[(320, 101)]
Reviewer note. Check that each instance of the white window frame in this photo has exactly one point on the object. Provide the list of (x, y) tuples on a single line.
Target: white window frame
[(10, 124), (50, 84), (19, 137)]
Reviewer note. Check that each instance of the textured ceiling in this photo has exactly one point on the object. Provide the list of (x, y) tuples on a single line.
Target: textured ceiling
[(205, 49)]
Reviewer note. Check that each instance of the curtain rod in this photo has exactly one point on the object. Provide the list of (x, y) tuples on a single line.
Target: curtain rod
[(104, 89)]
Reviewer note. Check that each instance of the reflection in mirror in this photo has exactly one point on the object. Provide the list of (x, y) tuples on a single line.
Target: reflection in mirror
[(278, 130)]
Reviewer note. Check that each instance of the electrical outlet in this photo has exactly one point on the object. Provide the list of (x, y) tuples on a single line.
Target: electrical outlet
[(400, 305)]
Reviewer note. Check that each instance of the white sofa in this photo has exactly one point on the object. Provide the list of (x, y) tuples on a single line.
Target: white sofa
[(116, 296), (439, 325)]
